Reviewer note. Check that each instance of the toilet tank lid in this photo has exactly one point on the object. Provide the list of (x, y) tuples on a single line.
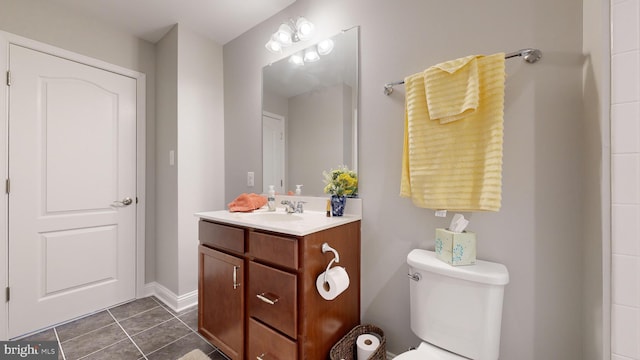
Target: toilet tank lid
[(486, 272)]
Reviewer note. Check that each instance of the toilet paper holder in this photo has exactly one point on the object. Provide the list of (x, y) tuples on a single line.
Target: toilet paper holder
[(336, 258)]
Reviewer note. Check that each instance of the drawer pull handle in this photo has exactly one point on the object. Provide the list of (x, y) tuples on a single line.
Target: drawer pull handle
[(236, 284), (260, 357), (266, 299)]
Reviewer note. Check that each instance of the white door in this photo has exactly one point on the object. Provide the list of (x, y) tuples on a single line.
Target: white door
[(273, 152), (71, 165)]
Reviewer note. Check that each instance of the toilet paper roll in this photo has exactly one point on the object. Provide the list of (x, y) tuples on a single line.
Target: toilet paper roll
[(337, 282), (366, 345)]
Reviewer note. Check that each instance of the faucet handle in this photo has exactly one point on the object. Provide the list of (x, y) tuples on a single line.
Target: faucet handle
[(299, 206), (290, 206)]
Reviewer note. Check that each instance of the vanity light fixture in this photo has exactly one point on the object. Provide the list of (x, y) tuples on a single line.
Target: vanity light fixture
[(288, 33)]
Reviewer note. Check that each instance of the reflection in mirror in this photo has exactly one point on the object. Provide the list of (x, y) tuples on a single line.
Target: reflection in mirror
[(309, 121)]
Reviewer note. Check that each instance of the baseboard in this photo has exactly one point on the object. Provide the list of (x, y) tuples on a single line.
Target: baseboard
[(173, 301)]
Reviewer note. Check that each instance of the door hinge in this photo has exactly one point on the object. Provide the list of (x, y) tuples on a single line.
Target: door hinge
[(8, 78), (7, 186), (8, 291)]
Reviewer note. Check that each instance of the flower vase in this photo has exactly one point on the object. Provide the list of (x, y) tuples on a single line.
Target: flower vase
[(337, 204)]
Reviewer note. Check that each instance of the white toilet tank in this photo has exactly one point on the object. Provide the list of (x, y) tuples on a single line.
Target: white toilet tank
[(457, 308)]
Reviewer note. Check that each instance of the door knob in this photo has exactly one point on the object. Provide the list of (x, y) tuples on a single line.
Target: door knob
[(125, 202)]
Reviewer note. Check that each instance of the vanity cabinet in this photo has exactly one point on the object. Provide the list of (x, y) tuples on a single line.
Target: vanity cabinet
[(222, 323), (282, 315)]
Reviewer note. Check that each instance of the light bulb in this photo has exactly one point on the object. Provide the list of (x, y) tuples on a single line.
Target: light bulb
[(325, 47), (273, 46), (283, 35), (311, 55), (304, 27), (296, 59)]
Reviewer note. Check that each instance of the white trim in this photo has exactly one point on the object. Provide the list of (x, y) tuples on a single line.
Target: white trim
[(273, 115), (606, 186), (175, 302), (5, 40), (4, 237), (141, 165)]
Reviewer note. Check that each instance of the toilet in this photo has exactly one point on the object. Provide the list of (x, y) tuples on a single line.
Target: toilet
[(455, 310)]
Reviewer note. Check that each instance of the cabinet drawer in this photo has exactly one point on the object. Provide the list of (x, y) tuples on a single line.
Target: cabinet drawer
[(275, 249), (221, 236), (273, 298), (267, 344)]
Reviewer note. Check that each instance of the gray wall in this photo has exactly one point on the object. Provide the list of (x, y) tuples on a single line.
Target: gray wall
[(200, 156), (190, 123), (167, 175), (537, 234)]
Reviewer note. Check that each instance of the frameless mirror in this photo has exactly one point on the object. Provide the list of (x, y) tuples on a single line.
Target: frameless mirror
[(310, 115)]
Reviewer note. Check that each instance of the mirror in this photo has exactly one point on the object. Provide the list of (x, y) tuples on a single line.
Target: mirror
[(310, 121)]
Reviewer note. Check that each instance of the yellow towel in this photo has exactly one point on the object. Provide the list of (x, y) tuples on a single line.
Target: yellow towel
[(452, 89), (456, 165)]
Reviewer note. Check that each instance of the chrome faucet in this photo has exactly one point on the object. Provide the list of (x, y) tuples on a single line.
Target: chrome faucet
[(293, 206)]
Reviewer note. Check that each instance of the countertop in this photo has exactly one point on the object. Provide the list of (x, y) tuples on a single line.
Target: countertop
[(279, 221)]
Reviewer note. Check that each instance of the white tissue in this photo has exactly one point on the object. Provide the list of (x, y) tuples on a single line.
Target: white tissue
[(337, 282), (458, 223), (366, 345)]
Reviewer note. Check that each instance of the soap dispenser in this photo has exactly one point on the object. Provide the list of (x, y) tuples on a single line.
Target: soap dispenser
[(298, 189), (271, 199)]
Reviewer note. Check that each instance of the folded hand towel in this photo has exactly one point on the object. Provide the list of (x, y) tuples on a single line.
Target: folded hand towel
[(247, 202), (455, 165), (452, 89)]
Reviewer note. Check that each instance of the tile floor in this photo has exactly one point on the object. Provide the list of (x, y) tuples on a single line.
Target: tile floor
[(141, 329)]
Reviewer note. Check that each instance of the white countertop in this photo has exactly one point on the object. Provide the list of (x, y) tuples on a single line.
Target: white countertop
[(279, 221), (313, 219)]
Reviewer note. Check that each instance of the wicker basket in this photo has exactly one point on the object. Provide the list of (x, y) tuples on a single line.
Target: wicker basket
[(345, 349)]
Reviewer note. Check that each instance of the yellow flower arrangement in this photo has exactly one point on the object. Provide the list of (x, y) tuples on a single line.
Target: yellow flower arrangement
[(341, 181)]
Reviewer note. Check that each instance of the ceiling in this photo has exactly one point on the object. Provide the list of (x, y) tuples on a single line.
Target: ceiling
[(220, 20)]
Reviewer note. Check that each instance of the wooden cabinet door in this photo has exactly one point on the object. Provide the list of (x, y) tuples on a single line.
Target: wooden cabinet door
[(221, 300)]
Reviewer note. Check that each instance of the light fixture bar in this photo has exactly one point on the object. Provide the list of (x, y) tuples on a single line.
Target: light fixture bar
[(290, 32)]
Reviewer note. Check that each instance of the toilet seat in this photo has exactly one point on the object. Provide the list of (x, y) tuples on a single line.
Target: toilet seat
[(427, 351)]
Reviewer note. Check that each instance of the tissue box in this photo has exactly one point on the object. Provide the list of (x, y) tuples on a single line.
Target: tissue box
[(456, 248)]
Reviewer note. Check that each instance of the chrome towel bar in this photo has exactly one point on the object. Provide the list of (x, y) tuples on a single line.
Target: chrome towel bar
[(529, 55)]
